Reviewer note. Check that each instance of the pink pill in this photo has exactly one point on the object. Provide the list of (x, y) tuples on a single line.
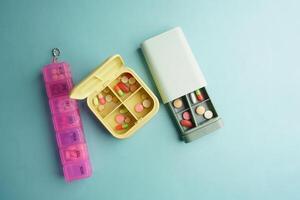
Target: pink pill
[(120, 119), (138, 108), (186, 115)]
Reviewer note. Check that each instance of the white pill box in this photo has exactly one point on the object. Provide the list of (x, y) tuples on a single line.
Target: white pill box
[(180, 80)]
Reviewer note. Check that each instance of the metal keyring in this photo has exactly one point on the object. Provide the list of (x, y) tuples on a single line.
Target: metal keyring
[(55, 52)]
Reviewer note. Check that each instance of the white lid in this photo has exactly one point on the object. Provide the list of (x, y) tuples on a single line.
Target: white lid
[(172, 64)]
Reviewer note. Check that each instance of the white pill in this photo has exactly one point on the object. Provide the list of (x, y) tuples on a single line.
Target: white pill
[(108, 98), (193, 97), (124, 79), (147, 103), (208, 114)]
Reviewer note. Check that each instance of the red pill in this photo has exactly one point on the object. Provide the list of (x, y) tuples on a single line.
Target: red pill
[(120, 127), (186, 123), (123, 87)]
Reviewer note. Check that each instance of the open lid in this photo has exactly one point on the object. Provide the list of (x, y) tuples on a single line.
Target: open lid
[(172, 64), (99, 78)]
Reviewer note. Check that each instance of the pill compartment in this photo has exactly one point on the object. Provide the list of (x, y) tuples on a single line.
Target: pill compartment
[(77, 170), (62, 104), (207, 104), (103, 80), (73, 153), (56, 72), (70, 137), (140, 99), (66, 120), (124, 89), (184, 106), (203, 94), (120, 128), (179, 118), (59, 88), (111, 102)]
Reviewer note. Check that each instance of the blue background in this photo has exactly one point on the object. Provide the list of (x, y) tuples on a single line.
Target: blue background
[(249, 53)]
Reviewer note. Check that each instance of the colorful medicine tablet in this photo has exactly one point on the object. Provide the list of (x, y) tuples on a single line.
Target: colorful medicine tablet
[(123, 87), (123, 110), (199, 95), (147, 103), (208, 114), (120, 118), (108, 98), (186, 115), (200, 110), (95, 101), (118, 90), (138, 108), (124, 79), (127, 120), (193, 98), (101, 107), (177, 103), (132, 81), (120, 127), (133, 88), (101, 98), (186, 123)]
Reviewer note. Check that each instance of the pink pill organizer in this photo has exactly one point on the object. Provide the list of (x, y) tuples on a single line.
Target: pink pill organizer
[(66, 120)]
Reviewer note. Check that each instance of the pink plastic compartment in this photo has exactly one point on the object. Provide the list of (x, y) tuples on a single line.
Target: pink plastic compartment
[(67, 122)]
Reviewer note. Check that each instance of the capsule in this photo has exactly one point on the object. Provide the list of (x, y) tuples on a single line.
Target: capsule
[(120, 127), (193, 98), (123, 87), (199, 95), (101, 98), (118, 90)]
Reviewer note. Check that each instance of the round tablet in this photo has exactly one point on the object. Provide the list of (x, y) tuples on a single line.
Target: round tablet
[(132, 81), (123, 110), (119, 118), (138, 108), (200, 110), (208, 114), (127, 120), (133, 88), (186, 115), (143, 96), (147, 103), (101, 107), (108, 98), (124, 79), (177, 103)]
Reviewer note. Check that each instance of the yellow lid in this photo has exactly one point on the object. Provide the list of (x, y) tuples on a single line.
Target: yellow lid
[(99, 78)]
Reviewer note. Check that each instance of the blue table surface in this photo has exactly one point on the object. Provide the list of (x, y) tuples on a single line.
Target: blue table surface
[(249, 53)]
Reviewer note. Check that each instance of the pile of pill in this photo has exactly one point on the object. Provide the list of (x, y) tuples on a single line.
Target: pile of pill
[(127, 83), (100, 100), (196, 96), (200, 110), (122, 120), (146, 103), (186, 120)]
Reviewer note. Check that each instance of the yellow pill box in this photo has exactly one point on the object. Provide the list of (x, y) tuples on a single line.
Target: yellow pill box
[(118, 97)]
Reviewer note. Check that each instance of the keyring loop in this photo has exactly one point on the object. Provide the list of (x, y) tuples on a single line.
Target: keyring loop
[(55, 52)]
